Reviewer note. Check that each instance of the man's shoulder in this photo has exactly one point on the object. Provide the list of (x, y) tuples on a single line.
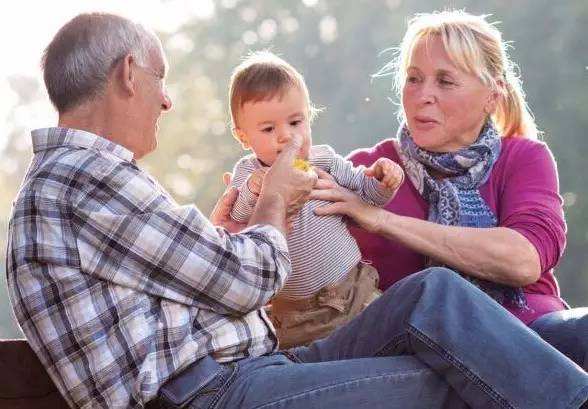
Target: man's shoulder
[(66, 166), (67, 175)]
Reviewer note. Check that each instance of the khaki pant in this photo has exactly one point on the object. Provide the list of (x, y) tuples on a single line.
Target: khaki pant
[(299, 322)]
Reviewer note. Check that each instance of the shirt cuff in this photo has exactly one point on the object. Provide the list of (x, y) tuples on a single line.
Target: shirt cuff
[(273, 235), (380, 194)]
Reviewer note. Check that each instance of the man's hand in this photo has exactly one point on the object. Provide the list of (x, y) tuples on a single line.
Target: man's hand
[(255, 180), (221, 214), (284, 190), (293, 184), (387, 172)]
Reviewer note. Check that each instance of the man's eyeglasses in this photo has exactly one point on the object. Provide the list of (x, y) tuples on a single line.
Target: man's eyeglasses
[(154, 73)]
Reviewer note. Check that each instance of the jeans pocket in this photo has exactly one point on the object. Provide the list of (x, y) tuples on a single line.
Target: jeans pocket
[(210, 395)]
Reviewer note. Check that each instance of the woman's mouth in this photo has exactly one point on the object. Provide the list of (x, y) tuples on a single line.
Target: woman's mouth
[(425, 122)]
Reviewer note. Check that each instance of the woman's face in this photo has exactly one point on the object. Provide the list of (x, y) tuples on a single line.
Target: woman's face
[(444, 106)]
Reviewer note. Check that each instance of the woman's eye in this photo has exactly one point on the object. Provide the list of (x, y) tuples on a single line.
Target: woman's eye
[(444, 81), (412, 80), (296, 122)]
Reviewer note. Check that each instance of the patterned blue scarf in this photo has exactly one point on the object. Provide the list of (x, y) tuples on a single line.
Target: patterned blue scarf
[(455, 200)]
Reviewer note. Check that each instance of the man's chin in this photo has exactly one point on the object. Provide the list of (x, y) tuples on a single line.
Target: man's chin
[(146, 151)]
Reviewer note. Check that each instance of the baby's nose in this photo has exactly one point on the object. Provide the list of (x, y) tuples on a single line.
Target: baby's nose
[(284, 137)]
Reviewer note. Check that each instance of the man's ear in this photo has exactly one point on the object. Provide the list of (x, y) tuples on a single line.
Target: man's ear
[(127, 75), (241, 137)]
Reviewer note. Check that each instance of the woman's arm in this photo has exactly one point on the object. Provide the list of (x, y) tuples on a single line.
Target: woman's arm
[(496, 254)]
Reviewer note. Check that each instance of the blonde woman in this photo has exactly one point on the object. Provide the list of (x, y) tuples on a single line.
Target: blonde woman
[(482, 194)]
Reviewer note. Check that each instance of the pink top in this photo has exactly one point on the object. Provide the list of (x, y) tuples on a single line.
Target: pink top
[(522, 191)]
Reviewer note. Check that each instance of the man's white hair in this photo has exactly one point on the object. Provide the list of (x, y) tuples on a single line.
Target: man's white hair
[(77, 62)]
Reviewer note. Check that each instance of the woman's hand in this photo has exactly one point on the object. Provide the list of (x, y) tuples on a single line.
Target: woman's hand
[(346, 203), (221, 214)]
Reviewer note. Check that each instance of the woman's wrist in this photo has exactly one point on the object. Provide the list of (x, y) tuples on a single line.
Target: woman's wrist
[(383, 221), (390, 225)]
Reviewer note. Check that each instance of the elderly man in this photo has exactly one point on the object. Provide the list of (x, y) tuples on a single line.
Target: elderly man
[(131, 300)]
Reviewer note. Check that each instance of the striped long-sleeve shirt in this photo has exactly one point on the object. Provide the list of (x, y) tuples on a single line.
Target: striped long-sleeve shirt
[(117, 287), (321, 248)]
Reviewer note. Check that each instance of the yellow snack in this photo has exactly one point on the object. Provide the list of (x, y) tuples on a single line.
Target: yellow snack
[(302, 165)]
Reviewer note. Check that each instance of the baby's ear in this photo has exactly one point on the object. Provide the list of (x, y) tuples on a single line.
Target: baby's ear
[(241, 137)]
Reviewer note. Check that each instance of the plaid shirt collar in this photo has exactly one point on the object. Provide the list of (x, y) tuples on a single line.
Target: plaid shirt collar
[(52, 138)]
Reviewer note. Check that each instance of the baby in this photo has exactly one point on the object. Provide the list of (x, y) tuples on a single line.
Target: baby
[(329, 284)]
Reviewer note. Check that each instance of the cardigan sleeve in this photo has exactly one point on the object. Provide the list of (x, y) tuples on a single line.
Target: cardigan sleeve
[(530, 202)]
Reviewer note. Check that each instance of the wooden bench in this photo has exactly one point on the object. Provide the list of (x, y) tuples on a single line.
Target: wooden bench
[(24, 383)]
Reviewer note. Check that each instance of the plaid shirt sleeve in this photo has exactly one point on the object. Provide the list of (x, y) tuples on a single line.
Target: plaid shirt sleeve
[(174, 252)]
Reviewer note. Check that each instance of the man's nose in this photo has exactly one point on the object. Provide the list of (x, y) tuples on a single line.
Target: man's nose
[(166, 105)]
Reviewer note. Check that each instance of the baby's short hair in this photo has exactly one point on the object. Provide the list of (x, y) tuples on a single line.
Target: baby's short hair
[(260, 77)]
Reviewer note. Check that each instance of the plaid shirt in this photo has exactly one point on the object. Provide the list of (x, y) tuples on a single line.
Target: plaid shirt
[(117, 287)]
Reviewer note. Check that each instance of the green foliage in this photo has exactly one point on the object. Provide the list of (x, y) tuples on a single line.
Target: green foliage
[(337, 46)]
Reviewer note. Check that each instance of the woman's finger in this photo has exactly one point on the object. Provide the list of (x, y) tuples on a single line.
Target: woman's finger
[(330, 195), (328, 209)]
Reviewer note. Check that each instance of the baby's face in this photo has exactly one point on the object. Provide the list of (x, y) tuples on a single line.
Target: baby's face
[(266, 127)]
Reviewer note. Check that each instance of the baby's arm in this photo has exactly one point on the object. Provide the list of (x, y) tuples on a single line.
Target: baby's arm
[(376, 184), (245, 178)]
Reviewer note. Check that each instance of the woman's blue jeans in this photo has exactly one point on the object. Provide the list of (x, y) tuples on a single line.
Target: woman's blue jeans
[(432, 340), (567, 331)]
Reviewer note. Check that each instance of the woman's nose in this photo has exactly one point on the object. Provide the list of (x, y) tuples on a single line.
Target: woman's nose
[(428, 93)]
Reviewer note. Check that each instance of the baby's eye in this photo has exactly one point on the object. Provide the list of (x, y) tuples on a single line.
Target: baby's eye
[(267, 129)]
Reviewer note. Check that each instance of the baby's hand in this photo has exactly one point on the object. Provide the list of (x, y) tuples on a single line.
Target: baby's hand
[(387, 172), (255, 180)]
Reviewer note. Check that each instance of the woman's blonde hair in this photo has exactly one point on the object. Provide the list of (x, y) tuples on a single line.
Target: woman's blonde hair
[(476, 47)]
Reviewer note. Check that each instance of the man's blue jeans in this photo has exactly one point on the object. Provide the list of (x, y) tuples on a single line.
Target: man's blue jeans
[(432, 340)]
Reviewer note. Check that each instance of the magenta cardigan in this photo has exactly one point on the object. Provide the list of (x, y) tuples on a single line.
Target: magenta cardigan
[(522, 191)]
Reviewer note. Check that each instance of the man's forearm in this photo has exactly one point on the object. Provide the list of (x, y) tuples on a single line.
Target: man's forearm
[(270, 209)]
